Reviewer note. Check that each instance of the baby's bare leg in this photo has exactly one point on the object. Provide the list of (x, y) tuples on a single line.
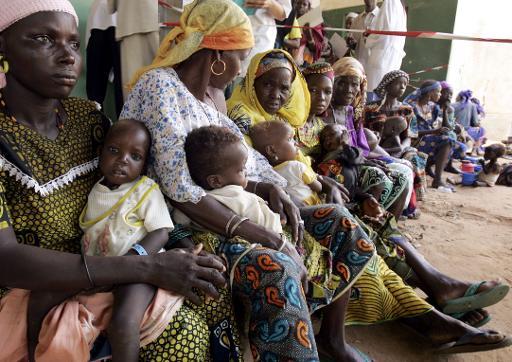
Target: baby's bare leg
[(130, 304), (39, 304)]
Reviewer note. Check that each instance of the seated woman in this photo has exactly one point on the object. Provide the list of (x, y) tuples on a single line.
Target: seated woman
[(373, 285), (390, 89), (468, 114), (48, 165), (319, 78), (347, 109), (434, 129)]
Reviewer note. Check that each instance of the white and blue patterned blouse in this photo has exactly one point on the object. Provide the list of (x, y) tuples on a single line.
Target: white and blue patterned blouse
[(170, 112)]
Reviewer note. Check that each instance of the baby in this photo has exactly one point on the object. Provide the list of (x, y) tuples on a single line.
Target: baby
[(275, 141), (390, 135), (125, 215), (216, 160), (339, 160), (491, 169)]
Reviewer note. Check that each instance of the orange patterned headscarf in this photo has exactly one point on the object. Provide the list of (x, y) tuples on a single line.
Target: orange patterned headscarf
[(204, 24)]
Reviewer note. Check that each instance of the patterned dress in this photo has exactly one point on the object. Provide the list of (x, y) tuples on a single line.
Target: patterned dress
[(44, 186), (264, 281), (430, 119)]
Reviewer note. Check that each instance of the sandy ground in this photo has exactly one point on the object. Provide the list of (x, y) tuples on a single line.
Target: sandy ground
[(467, 235)]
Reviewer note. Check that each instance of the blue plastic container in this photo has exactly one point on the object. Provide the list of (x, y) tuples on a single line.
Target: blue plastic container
[(468, 178), (478, 168), (472, 159)]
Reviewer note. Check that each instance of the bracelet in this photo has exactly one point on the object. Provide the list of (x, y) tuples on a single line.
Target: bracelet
[(139, 249), (255, 187), (283, 242), (177, 234), (87, 269), (228, 224), (236, 225)]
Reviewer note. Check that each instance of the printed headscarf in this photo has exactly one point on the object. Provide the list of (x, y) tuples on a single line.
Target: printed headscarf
[(273, 61), (245, 109), (12, 11), (388, 79), (204, 24), (319, 68), (348, 66)]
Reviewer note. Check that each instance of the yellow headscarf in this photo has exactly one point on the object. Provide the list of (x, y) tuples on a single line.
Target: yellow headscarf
[(349, 66), (210, 24), (245, 109)]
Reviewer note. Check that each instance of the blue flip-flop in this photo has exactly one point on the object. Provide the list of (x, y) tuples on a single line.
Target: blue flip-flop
[(473, 300), (464, 345)]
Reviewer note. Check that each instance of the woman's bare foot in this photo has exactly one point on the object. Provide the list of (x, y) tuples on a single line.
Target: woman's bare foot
[(474, 317)]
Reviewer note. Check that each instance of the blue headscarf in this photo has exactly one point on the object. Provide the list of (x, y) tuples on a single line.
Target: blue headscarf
[(420, 92)]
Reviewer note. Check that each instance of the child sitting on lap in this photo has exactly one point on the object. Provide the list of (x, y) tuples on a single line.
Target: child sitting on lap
[(216, 160), (275, 141), (125, 215)]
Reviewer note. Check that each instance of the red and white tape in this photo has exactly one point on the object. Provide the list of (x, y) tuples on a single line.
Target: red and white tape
[(409, 34)]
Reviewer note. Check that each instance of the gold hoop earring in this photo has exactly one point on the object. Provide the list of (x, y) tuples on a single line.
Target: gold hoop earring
[(223, 67), (4, 68)]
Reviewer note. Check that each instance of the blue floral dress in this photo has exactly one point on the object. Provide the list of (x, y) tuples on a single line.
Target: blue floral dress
[(430, 119)]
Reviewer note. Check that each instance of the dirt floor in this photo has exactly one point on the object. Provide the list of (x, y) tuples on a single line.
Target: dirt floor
[(467, 235)]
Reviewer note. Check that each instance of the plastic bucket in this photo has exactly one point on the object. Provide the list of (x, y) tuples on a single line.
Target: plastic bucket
[(468, 178)]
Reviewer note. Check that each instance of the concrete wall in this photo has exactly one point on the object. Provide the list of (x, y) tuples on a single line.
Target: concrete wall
[(485, 67)]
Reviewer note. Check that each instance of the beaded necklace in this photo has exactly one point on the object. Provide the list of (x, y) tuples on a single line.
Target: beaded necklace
[(59, 122)]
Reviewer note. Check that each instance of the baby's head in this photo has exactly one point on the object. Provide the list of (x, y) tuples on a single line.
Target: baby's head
[(216, 157), (124, 153), (274, 140), (494, 151), (333, 136), (372, 138), (394, 126)]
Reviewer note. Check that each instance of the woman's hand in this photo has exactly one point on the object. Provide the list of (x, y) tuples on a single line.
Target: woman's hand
[(182, 270), (441, 131), (290, 250), (273, 7), (335, 192), (280, 202)]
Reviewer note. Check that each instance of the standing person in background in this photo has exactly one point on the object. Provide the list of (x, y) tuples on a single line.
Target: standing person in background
[(365, 20), (386, 52), (263, 23), (349, 19), (137, 32)]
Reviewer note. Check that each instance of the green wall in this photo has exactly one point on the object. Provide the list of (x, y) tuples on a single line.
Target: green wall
[(434, 15)]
